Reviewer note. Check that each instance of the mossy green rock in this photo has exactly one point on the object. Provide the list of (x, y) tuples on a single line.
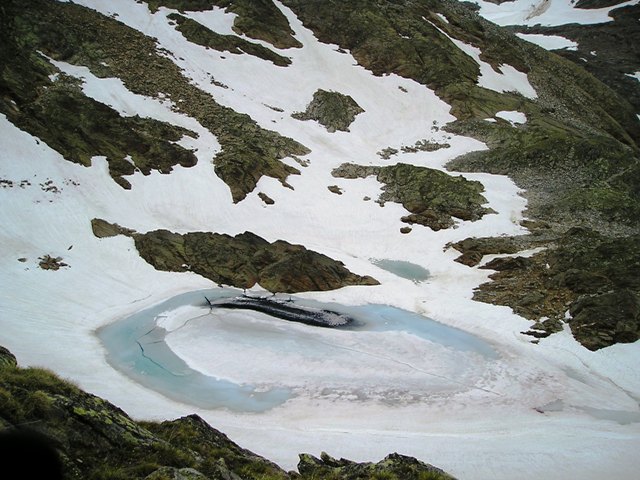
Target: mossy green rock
[(259, 19), (392, 467), (433, 197), (7, 359), (592, 277), (244, 260), (197, 33), (333, 110), (240, 261), (81, 36), (79, 128)]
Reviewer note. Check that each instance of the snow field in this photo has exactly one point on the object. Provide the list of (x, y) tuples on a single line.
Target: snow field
[(548, 13)]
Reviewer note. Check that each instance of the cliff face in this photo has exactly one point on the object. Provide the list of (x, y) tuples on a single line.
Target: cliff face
[(48, 425)]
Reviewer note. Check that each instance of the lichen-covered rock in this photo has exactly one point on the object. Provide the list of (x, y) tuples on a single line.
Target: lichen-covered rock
[(432, 197), (173, 473), (197, 33), (259, 19), (82, 36), (609, 50), (333, 110), (392, 467), (592, 277), (7, 359), (242, 261), (104, 229), (602, 320)]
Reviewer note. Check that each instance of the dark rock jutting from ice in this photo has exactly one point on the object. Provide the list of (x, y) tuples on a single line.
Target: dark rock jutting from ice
[(285, 310)]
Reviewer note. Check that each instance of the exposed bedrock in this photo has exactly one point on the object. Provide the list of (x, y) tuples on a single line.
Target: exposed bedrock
[(56, 110), (584, 278), (333, 110), (241, 261), (432, 197)]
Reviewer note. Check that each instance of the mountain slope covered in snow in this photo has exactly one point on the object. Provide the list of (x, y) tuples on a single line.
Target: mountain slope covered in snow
[(469, 197)]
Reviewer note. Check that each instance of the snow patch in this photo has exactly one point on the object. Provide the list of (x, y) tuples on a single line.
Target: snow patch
[(442, 17), (512, 116), (548, 13), (634, 75), (549, 42), (508, 79)]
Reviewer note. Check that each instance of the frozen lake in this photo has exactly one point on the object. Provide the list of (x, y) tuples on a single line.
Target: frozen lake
[(248, 361)]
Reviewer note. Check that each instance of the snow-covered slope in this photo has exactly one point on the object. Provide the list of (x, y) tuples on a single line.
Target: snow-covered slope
[(553, 410), (545, 12)]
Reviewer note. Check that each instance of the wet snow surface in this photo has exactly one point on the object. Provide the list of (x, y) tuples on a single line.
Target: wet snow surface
[(551, 410)]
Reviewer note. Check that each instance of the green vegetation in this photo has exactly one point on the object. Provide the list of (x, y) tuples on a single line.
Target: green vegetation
[(198, 33)]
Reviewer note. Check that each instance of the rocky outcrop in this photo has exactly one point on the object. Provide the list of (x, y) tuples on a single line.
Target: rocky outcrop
[(69, 32), (610, 51), (58, 112), (583, 278), (433, 197), (7, 359), (197, 33), (333, 110), (103, 229), (419, 146), (81, 436), (242, 261), (392, 467), (261, 20), (47, 262)]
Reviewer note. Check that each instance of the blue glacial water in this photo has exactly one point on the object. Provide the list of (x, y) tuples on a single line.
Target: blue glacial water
[(403, 269), (136, 346)]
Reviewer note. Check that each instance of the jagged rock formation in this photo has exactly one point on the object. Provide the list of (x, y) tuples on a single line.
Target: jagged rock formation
[(93, 439), (240, 261), (433, 197), (333, 110)]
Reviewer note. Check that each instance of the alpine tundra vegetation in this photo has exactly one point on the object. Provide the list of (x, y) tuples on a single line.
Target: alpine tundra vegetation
[(455, 186)]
